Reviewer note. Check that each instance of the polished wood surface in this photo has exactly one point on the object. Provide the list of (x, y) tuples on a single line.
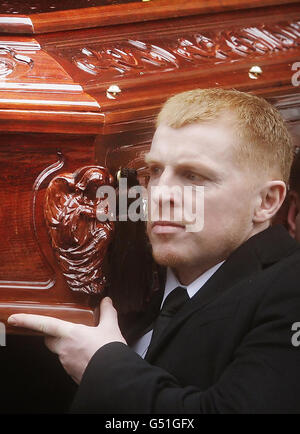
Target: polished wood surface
[(41, 16), (150, 61), (77, 99), (31, 279), (67, 76), (80, 240), (37, 94)]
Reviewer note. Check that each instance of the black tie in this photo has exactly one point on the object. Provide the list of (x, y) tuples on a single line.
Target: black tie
[(171, 305)]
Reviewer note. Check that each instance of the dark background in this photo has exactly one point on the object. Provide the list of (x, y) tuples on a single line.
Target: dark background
[(32, 379)]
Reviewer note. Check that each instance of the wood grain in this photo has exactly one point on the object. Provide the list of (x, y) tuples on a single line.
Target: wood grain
[(39, 19), (30, 275)]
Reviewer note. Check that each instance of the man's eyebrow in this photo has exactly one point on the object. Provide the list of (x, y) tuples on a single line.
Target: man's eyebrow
[(194, 166), (186, 164), (149, 158)]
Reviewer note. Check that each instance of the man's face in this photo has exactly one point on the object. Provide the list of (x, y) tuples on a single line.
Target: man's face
[(200, 154)]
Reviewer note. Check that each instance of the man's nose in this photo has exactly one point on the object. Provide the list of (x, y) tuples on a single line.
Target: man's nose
[(164, 189)]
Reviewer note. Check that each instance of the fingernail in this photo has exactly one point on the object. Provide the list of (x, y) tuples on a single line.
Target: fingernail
[(12, 321), (108, 299)]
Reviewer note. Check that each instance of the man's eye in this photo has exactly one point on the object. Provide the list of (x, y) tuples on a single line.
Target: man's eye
[(193, 177), (154, 170)]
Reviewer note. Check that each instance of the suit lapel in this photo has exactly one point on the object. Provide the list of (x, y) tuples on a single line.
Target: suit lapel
[(260, 251)]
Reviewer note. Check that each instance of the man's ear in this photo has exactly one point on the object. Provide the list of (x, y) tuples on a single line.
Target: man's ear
[(293, 211), (270, 200)]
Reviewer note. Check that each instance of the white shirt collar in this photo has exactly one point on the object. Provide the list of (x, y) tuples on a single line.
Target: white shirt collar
[(172, 282)]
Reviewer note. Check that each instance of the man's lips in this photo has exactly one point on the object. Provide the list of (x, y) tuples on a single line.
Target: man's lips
[(166, 227)]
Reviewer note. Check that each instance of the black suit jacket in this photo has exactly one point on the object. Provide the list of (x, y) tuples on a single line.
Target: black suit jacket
[(228, 350)]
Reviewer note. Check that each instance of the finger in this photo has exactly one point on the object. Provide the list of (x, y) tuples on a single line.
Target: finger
[(107, 312), (43, 324)]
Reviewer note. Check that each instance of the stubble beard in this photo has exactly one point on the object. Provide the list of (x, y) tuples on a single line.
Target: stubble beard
[(168, 253)]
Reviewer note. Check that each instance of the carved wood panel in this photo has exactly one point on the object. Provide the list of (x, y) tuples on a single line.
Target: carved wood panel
[(185, 50), (13, 64), (141, 55), (79, 239), (21, 172), (131, 70), (30, 277), (34, 85)]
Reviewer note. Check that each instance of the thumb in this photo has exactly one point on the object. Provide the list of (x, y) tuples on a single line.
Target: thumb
[(108, 313)]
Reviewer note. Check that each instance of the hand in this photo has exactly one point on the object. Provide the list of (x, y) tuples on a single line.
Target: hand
[(75, 344)]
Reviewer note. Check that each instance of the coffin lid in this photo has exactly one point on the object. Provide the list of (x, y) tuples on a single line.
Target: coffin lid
[(43, 16), (109, 79)]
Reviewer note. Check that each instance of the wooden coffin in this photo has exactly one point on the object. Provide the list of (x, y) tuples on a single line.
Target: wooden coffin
[(80, 85)]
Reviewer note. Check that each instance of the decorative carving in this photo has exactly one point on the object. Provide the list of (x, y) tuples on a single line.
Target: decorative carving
[(132, 57), (12, 63), (42, 180), (79, 239)]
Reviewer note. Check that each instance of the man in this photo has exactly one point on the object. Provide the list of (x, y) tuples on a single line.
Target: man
[(293, 216), (227, 348)]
